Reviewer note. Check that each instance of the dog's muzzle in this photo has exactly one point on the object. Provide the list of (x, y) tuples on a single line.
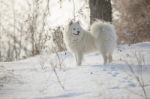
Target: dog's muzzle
[(78, 32)]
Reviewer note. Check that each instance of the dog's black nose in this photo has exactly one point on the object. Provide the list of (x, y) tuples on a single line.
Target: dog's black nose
[(78, 32)]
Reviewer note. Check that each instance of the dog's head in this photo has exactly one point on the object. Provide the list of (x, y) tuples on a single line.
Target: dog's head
[(75, 28)]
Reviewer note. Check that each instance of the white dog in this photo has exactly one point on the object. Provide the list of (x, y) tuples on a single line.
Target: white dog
[(102, 38)]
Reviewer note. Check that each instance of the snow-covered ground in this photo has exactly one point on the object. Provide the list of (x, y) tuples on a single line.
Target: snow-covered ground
[(35, 77)]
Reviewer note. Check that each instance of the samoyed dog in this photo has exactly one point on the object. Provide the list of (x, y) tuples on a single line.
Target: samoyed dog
[(101, 37)]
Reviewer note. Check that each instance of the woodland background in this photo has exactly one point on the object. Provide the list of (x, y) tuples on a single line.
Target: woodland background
[(29, 27)]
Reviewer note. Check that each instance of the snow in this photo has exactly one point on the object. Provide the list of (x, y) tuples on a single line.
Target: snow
[(34, 78)]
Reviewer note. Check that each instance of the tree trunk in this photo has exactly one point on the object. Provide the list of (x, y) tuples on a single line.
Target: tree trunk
[(100, 9)]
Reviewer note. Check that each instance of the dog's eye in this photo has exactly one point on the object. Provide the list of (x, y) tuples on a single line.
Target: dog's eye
[(74, 29)]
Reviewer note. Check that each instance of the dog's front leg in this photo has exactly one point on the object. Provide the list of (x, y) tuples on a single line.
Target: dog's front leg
[(79, 58)]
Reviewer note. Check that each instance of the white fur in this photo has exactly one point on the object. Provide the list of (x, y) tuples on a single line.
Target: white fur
[(102, 38)]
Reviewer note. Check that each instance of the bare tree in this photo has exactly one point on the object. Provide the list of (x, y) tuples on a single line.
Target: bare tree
[(100, 9), (24, 31)]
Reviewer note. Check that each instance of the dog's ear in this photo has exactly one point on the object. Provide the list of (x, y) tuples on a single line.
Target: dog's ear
[(70, 23)]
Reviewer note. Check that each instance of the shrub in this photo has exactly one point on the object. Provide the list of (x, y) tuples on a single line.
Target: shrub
[(133, 24)]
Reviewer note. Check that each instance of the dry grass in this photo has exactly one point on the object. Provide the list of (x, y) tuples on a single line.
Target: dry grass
[(138, 76), (8, 76)]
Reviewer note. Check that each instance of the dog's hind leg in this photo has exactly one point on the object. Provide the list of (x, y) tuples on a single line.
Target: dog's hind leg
[(104, 57), (110, 57)]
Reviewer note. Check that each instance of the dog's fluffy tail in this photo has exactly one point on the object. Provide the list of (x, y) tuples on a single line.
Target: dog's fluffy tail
[(103, 30)]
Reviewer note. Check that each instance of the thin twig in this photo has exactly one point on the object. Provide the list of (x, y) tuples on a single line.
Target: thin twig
[(140, 60), (59, 81), (74, 10)]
